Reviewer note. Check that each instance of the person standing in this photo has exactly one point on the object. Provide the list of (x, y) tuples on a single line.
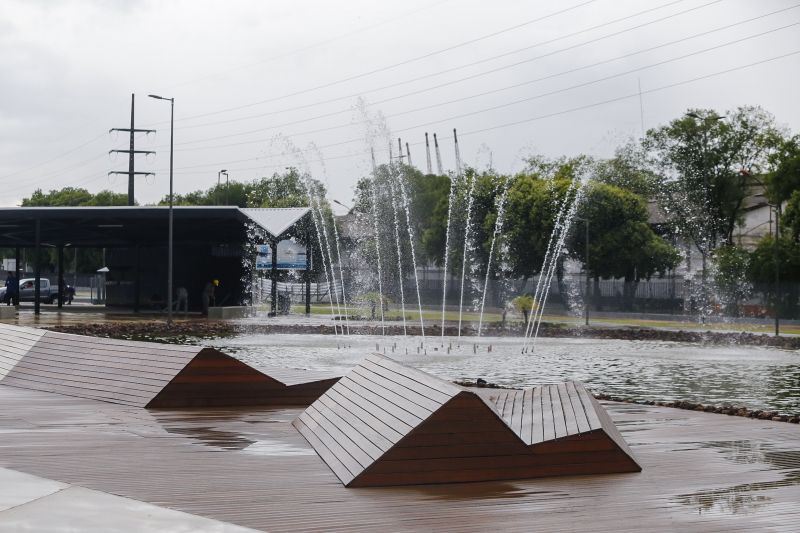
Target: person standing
[(12, 289), (208, 295), (183, 300)]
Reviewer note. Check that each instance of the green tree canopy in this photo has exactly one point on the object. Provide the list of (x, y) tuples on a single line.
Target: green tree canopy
[(287, 189), (703, 159), (74, 197), (621, 243)]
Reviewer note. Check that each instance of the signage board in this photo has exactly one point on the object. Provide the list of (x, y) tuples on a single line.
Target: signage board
[(291, 256)]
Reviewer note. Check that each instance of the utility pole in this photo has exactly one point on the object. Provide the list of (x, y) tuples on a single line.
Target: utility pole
[(408, 155), (457, 151), (776, 258), (131, 152), (439, 168), (428, 153)]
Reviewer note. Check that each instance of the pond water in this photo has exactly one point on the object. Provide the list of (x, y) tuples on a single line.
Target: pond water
[(755, 377)]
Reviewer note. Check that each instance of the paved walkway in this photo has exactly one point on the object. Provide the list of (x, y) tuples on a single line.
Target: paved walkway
[(31, 503), (702, 472)]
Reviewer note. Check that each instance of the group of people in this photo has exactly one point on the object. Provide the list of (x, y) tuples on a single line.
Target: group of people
[(207, 297)]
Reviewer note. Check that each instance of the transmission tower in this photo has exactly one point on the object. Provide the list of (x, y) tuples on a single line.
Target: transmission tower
[(131, 153)]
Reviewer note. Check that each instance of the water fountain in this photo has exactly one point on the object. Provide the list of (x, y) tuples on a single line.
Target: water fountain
[(407, 208), (498, 224)]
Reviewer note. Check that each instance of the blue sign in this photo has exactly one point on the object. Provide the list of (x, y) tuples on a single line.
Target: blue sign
[(291, 256)]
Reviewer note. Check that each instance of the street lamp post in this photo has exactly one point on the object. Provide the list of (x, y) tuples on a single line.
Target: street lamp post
[(223, 171), (169, 239), (343, 205), (586, 269), (777, 269)]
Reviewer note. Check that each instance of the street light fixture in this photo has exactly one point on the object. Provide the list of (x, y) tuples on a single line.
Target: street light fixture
[(586, 268), (223, 171), (343, 205), (169, 239)]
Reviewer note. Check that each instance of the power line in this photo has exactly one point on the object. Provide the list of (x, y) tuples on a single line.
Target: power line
[(538, 96), (259, 130), (477, 62), (404, 62), (535, 118), (37, 165), (362, 29), (320, 43)]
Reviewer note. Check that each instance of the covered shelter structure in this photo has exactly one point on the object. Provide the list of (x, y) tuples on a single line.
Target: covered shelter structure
[(209, 242)]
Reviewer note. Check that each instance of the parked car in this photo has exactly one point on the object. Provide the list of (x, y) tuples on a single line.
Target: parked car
[(47, 293)]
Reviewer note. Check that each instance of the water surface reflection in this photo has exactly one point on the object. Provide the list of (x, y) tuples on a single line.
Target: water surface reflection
[(755, 377)]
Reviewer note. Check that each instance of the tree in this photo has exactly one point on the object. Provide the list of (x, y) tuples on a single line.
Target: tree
[(700, 158), (74, 197), (731, 277), (761, 271), (283, 190), (622, 244), (531, 210), (627, 170), (289, 189), (783, 185), (233, 193), (85, 259), (784, 178)]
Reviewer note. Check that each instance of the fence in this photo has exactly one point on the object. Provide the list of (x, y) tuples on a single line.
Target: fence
[(670, 294), (296, 291)]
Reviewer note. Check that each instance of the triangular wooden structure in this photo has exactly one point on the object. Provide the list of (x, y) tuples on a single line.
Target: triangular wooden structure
[(384, 423), (146, 374)]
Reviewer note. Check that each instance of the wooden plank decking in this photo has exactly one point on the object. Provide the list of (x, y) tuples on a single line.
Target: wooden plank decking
[(145, 373), (425, 430), (702, 472)]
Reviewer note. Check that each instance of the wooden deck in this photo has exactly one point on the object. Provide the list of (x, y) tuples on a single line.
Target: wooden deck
[(146, 374), (386, 424), (702, 472)]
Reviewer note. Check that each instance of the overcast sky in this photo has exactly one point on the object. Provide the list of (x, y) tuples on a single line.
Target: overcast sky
[(262, 85)]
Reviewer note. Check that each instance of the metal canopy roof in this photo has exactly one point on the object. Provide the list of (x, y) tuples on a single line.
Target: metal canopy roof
[(125, 226), (276, 221)]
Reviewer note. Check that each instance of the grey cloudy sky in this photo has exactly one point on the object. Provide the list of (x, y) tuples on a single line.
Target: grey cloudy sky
[(261, 85)]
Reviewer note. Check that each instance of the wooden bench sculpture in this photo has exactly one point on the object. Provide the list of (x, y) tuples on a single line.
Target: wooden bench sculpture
[(146, 374), (384, 423)]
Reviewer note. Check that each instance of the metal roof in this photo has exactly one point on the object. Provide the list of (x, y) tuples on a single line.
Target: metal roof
[(276, 220), (129, 225)]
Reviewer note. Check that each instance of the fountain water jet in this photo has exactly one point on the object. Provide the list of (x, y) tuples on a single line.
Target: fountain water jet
[(399, 253), (498, 223), (377, 237), (330, 255), (560, 245), (447, 247), (404, 198), (322, 253), (341, 274), (467, 227), (552, 240)]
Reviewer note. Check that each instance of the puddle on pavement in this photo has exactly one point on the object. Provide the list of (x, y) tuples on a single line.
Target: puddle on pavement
[(471, 491), (276, 448), (746, 497), (225, 440)]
